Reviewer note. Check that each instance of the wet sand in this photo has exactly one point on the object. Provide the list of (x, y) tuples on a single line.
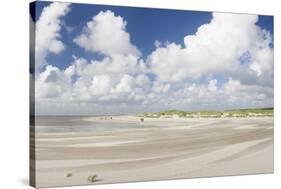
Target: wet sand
[(175, 148)]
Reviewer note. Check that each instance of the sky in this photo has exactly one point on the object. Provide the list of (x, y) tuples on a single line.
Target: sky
[(97, 60)]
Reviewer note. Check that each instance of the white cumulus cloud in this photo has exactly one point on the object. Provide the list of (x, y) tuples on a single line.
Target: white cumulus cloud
[(217, 47), (47, 32), (106, 34)]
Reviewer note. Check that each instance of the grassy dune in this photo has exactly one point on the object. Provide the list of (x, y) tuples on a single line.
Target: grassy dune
[(254, 112)]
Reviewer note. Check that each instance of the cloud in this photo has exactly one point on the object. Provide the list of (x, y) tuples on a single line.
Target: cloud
[(47, 32), (208, 96), (157, 43), (125, 85), (101, 85), (106, 34), (217, 47), (47, 85)]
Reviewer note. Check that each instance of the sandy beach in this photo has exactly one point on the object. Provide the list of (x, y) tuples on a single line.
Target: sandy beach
[(156, 149)]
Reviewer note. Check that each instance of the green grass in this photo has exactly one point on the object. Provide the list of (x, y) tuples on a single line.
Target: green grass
[(251, 112)]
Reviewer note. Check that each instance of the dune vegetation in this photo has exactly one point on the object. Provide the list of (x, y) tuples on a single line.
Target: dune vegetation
[(252, 112)]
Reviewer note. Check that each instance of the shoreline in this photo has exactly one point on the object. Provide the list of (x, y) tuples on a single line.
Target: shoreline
[(168, 121)]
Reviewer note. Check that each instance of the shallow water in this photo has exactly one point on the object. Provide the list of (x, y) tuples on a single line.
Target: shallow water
[(60, 124)]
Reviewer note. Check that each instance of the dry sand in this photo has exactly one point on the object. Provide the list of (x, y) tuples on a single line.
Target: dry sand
[(176, 148)]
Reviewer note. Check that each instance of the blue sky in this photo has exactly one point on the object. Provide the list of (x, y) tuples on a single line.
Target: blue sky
[(202, 60), (144, 24)]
